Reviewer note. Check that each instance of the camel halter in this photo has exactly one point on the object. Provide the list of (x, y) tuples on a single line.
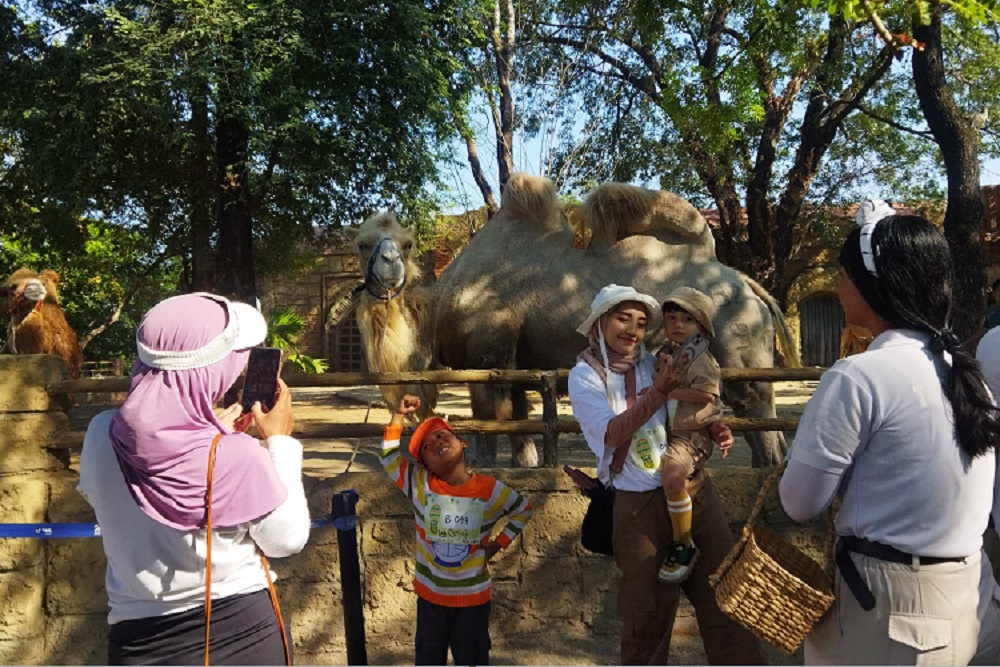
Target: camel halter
[(11, 327), (371, 276), (208, 568)]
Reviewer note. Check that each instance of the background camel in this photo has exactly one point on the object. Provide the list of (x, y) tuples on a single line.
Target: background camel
[(36, 323), (515, 296), (854, 339)]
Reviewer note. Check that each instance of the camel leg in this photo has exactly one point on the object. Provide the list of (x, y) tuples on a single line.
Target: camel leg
[(523, 453), (483, 450), (502, 403), (756, 399)]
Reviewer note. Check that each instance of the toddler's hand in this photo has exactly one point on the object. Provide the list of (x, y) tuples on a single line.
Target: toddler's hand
[(722, 435)]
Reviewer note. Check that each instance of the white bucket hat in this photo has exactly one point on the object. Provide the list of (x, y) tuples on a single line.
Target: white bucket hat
[(609, 297), (245, 328)]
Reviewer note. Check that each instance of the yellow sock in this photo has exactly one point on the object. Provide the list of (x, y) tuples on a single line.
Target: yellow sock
[(679, 506)]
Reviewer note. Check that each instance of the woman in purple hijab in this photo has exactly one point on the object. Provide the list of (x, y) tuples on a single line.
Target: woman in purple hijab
[(144, 469)]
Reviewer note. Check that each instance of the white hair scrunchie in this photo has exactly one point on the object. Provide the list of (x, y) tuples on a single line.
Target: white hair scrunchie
[(869, 213)]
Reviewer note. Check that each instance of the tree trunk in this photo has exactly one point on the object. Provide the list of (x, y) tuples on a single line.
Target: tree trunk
[(200, 184), (234, 261), (957, 135)]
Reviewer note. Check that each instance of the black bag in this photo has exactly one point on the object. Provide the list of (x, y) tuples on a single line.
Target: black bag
[(595, 533)]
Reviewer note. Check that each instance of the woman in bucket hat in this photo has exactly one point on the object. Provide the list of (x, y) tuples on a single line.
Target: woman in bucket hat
[(145, 469), (619, 399)]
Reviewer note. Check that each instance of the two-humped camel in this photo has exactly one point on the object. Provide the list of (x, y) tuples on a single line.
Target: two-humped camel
[(514, 297)]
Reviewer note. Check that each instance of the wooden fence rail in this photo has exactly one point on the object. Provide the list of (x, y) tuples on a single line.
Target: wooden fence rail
[(545, 382)]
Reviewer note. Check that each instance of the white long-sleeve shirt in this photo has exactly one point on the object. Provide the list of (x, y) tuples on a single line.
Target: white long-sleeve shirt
[(153, 569)]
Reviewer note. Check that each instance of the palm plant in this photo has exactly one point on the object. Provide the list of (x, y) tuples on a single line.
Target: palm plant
[(283, 329)]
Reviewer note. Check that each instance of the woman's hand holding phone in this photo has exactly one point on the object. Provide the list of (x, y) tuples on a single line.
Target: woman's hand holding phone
[(279, 419)]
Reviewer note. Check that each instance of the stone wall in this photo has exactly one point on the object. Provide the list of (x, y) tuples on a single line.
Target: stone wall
[(548, 591)]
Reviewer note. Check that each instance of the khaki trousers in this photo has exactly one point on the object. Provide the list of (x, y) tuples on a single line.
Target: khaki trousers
[(647, 606), (923, 615)]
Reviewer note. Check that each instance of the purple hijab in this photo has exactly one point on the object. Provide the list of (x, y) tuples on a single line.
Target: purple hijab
[(164, 430)]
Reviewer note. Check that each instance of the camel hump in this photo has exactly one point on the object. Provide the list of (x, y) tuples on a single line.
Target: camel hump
[(532, 199), (614, 211)]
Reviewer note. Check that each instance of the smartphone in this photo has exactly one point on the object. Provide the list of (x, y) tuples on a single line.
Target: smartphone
[(692, 347), (260, 382)]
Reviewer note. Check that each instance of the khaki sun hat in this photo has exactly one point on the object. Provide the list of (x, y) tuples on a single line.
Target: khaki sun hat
[(698, 304), (609, 297)]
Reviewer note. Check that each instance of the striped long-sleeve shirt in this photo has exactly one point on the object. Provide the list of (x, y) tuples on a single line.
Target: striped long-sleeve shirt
[(453, 575)]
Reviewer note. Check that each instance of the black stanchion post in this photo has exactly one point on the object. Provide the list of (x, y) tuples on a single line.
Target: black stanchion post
[(345, 520)]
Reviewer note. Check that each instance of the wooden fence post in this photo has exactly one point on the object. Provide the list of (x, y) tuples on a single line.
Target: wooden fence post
[(550, 418)]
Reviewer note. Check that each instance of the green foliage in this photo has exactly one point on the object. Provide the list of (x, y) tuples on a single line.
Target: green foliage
[(111, 110), (855, 10), (283, 330)]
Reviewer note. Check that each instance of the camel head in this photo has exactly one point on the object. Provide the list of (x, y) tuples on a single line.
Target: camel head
[(384, 255), (25, 290)]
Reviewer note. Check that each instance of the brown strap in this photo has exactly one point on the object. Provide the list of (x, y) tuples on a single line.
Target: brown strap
[(277, 608), (208, 541), (208, 569)]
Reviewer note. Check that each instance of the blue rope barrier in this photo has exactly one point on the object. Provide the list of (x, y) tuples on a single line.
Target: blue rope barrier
[(76, 530)]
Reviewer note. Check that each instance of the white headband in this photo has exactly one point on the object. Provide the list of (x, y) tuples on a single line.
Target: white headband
[(869, 214), (245, 328)]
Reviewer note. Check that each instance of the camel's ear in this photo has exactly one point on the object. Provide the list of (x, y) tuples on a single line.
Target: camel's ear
[(49, 275)]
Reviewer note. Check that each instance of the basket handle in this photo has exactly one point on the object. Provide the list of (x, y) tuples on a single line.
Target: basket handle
[(758, 505)]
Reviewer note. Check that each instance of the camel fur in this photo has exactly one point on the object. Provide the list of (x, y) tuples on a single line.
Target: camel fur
[(516, 294), (393, 326), (36, 323)]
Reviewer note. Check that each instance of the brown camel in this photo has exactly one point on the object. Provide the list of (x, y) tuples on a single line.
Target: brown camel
[(516, 294), (36, 323)]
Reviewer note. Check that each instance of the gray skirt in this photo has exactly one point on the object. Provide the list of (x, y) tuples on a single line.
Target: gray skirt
[(244, 632)]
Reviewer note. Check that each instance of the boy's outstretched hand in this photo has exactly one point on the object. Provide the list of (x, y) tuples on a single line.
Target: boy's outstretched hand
[(407, 406)]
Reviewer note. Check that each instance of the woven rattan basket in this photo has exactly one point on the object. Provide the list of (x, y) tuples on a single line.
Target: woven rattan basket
[(768, 585)]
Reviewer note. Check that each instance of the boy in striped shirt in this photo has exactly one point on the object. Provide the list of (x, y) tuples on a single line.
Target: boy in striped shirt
[(455, 512)]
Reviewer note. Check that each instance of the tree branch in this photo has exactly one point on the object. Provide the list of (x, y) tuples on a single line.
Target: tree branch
[(923, 134)]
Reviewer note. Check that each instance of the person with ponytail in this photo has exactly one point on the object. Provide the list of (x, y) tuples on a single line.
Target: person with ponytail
[(903, 434), (619, 398)]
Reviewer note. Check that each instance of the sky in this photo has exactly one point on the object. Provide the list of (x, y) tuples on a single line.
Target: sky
[(530, 157)]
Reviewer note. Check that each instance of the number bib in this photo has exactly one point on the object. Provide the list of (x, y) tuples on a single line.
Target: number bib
[(647, 449), (452, 520)]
